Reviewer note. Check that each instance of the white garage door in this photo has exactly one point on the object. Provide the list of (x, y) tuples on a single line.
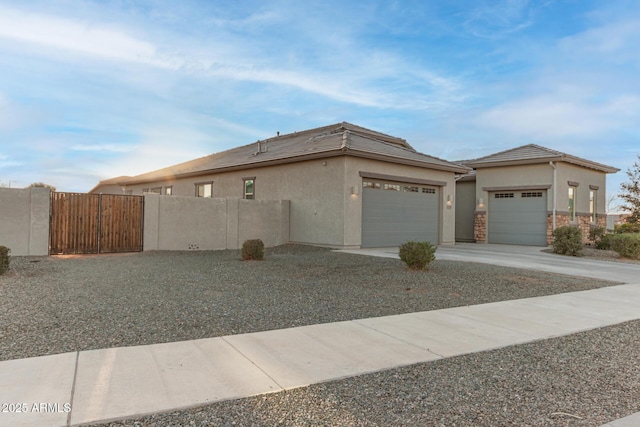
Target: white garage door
[(518, 217), (393, 213)]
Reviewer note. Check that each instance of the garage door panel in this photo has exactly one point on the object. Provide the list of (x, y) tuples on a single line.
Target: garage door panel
[(518, 218), (390, 218)]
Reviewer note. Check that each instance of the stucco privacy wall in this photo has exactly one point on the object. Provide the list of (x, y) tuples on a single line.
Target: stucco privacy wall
[(183, 223), (315, 188), (24, 220)]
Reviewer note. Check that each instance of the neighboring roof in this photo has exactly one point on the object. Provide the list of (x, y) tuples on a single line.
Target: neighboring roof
[(471, 176), (531, 154), (110, 181), (333, 140)]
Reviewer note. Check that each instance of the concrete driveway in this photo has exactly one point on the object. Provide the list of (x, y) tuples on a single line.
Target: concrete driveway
[(528, 257)]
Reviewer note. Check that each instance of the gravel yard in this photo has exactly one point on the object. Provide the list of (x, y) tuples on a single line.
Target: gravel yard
[(58, 304)]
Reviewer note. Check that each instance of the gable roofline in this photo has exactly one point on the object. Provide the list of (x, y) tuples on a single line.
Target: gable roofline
[(534, 154), (327, 141), (346, 126), (111, 181)]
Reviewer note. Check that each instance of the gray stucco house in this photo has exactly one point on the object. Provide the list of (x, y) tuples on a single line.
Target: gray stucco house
[(519, 196), (347, 186)]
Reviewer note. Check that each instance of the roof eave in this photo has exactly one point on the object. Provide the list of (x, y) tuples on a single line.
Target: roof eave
[(481, 165), (541, 160), (300, 158), (408, 162), (250, 165)]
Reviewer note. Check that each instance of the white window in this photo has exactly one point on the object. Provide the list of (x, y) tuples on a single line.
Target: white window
[(592, 205), (572, 203), (393, 187), (249, 188), (369, 184), (168, 191), (204, 189)]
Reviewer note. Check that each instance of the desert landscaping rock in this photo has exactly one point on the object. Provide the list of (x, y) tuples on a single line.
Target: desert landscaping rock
[(75, 303), (59, 304)]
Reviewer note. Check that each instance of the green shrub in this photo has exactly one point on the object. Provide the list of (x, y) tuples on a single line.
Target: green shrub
[(5, 253), (626, 245), (600, 238), (253, 249), (604, 242), (567, 240), (627, 227), (417, 255)]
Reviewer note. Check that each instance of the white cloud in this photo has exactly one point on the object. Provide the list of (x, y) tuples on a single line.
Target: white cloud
[(76, 36), (365, 77), (114, 148), (616, 38), (557, 116), (495, 19)]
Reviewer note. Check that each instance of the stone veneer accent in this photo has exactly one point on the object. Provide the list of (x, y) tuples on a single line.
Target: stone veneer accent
[(583, 221), (480, 226)]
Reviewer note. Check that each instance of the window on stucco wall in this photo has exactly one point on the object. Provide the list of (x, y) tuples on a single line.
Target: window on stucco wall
[(249, 188), (572, 204), (592, 205), (204, 189)]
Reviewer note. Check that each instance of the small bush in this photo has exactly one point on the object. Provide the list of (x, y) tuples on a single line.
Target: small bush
[(626, 245), (417, 255), (253, 250), (626, 227), (5, 253), (567, 240), (600, 238)]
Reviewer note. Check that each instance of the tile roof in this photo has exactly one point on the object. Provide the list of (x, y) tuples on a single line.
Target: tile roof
[(333, 140), (532, 153)]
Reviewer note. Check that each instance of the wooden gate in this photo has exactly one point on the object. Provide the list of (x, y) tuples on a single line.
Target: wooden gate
[(95, 223)]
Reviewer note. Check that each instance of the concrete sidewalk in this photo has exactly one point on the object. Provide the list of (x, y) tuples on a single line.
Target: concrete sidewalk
[(116, 383)]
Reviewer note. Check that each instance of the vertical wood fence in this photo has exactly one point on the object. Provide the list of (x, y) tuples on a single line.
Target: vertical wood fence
[(95, 223)]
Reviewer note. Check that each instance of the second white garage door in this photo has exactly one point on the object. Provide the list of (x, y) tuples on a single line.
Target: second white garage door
[(518, 217), (393, 213)]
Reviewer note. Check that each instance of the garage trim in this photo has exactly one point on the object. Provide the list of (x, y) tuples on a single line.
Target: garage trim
[(396, 178), (517, 188)]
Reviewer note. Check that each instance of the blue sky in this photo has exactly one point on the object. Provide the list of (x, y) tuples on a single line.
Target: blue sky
[(91, 90)]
